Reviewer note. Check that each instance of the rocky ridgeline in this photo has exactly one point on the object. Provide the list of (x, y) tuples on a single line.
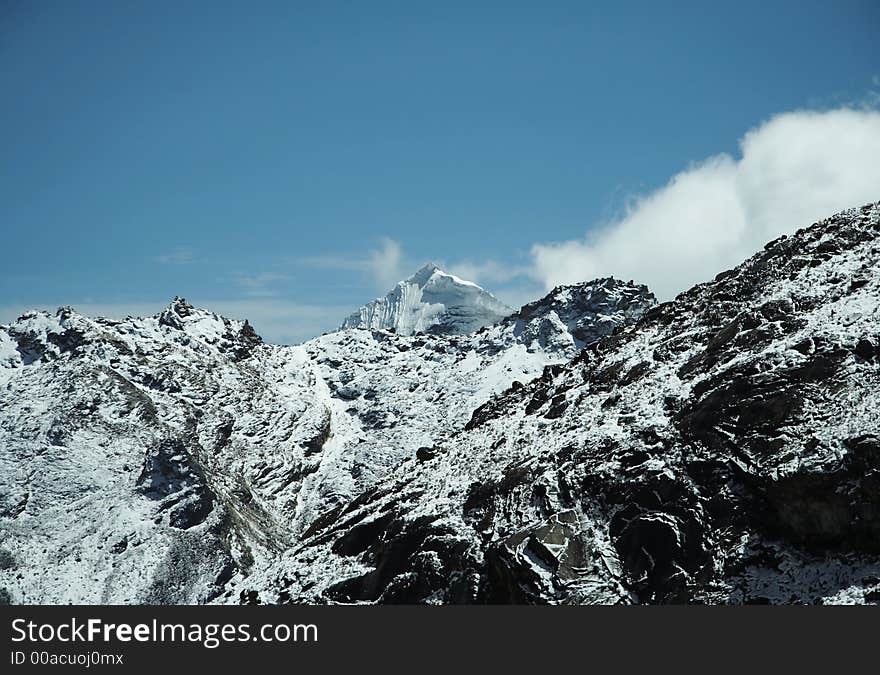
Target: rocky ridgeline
[(586, 311), (723, 449), (169, 458)]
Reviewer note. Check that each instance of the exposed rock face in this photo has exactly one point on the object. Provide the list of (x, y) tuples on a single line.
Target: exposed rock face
[(724, 449), (431, 301), (588, 311)]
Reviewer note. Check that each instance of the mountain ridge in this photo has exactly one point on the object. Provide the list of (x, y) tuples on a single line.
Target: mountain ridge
[(723, 449), (213, 450), (720, 448)]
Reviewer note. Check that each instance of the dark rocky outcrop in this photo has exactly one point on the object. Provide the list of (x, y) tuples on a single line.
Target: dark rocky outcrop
[(171, 477), (723, 449)]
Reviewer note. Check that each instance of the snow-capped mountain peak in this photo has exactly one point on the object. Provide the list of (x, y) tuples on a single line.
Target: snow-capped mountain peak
[(431, 301), (431, 270)]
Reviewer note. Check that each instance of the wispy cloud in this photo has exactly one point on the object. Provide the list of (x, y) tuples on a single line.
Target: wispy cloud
[(517, 294), (873, 97), (794, 169), (178, 256), (259, 284), (510, 282), (385, 264)]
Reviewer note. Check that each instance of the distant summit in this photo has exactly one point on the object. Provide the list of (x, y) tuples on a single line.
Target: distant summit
[(431, 301)]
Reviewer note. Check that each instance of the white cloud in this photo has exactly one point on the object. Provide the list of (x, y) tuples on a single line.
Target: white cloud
[(386, 263), (794, 169), (518, 294)]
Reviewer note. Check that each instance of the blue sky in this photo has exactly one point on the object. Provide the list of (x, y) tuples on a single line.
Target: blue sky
[(286, 160)]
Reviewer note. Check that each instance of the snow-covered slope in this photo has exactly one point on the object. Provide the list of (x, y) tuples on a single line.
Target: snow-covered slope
[(399, 393), (431, 301), (723, 449), (164, 459), (145, 460), (720, 448)]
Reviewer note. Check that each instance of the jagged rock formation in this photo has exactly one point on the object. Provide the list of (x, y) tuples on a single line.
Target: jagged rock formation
[(431, 301), (583, 313)]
